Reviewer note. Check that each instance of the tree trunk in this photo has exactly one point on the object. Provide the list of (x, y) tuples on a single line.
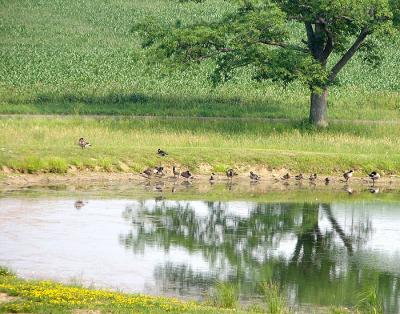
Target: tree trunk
[(318, 108)]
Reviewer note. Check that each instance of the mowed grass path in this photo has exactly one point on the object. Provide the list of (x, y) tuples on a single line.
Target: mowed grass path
[(120, 144), (71, 57)]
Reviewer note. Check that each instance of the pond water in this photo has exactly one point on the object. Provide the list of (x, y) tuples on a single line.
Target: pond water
[(321, 247)]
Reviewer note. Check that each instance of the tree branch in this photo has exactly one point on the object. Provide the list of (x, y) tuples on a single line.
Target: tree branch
[(208, 56), (310, 36), (283, 45), (349, 54), (329, 43)]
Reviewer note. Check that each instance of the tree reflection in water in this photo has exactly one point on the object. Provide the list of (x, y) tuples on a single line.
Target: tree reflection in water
[(279, 242)]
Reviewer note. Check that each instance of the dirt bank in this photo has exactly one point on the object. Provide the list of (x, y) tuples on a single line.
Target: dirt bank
[(267, 178)]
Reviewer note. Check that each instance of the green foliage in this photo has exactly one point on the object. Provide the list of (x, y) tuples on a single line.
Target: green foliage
[(4, 271), (256, 37)]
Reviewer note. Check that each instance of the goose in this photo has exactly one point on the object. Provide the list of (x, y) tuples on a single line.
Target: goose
[(212, 178), (254, 176), (83, 143), (186, 174), (79, 204), (230, 173), (347, 175), (286, 177), (299, 177), (159, 170), (175, 172), (161, 153), (374, 176), (313, 177), (148, 172)]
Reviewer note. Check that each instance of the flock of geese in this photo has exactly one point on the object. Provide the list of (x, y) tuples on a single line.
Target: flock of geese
[(230, 173)]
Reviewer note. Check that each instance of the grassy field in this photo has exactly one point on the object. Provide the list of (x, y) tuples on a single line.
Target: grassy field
[(74, 57), (50, 144)]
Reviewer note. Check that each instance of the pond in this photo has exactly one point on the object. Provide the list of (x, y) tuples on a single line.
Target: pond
[(321, 246)]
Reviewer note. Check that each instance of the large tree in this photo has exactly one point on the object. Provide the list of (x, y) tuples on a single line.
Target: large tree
[(283, 40)]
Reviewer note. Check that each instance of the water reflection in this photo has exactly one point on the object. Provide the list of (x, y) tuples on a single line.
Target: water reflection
[(303, 247), (319, 252)]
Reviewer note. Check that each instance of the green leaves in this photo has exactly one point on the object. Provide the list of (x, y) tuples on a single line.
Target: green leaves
[(258, 36)]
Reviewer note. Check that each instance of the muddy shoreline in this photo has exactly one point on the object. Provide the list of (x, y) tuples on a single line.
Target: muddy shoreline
[(267, 178)]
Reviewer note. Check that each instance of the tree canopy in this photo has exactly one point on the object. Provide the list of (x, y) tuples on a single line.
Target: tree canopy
[(283, 40)]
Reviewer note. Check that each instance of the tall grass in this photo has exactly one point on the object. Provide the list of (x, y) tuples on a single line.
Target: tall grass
[(75, 57)]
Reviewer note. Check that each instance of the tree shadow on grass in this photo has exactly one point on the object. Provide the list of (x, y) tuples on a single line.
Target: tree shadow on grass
[(120, 103)]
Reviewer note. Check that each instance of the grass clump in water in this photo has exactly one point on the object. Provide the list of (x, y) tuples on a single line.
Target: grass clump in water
[(370, 302), (225, 295), (276, 303)]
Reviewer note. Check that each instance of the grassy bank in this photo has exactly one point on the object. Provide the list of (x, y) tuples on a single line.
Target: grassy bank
[(49, 297), (42, 144), (70, 57), (33, 296)]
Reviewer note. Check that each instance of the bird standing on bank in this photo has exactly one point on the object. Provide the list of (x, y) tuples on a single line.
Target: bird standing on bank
[(212, 178), (299, 177), (374, 176), (286, 177), (313, 177), (230, 173), (347, 175), (254, 177), (175, 172), (83, 143)]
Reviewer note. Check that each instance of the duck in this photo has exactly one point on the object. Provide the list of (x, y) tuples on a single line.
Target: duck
[(175, 172), (83, 143), (162, 153), (374, 176), (299, 177), (327, 181), (347, 175), (230, 173), (254, 177), (286, 177), (313, 177), (186, 174)]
